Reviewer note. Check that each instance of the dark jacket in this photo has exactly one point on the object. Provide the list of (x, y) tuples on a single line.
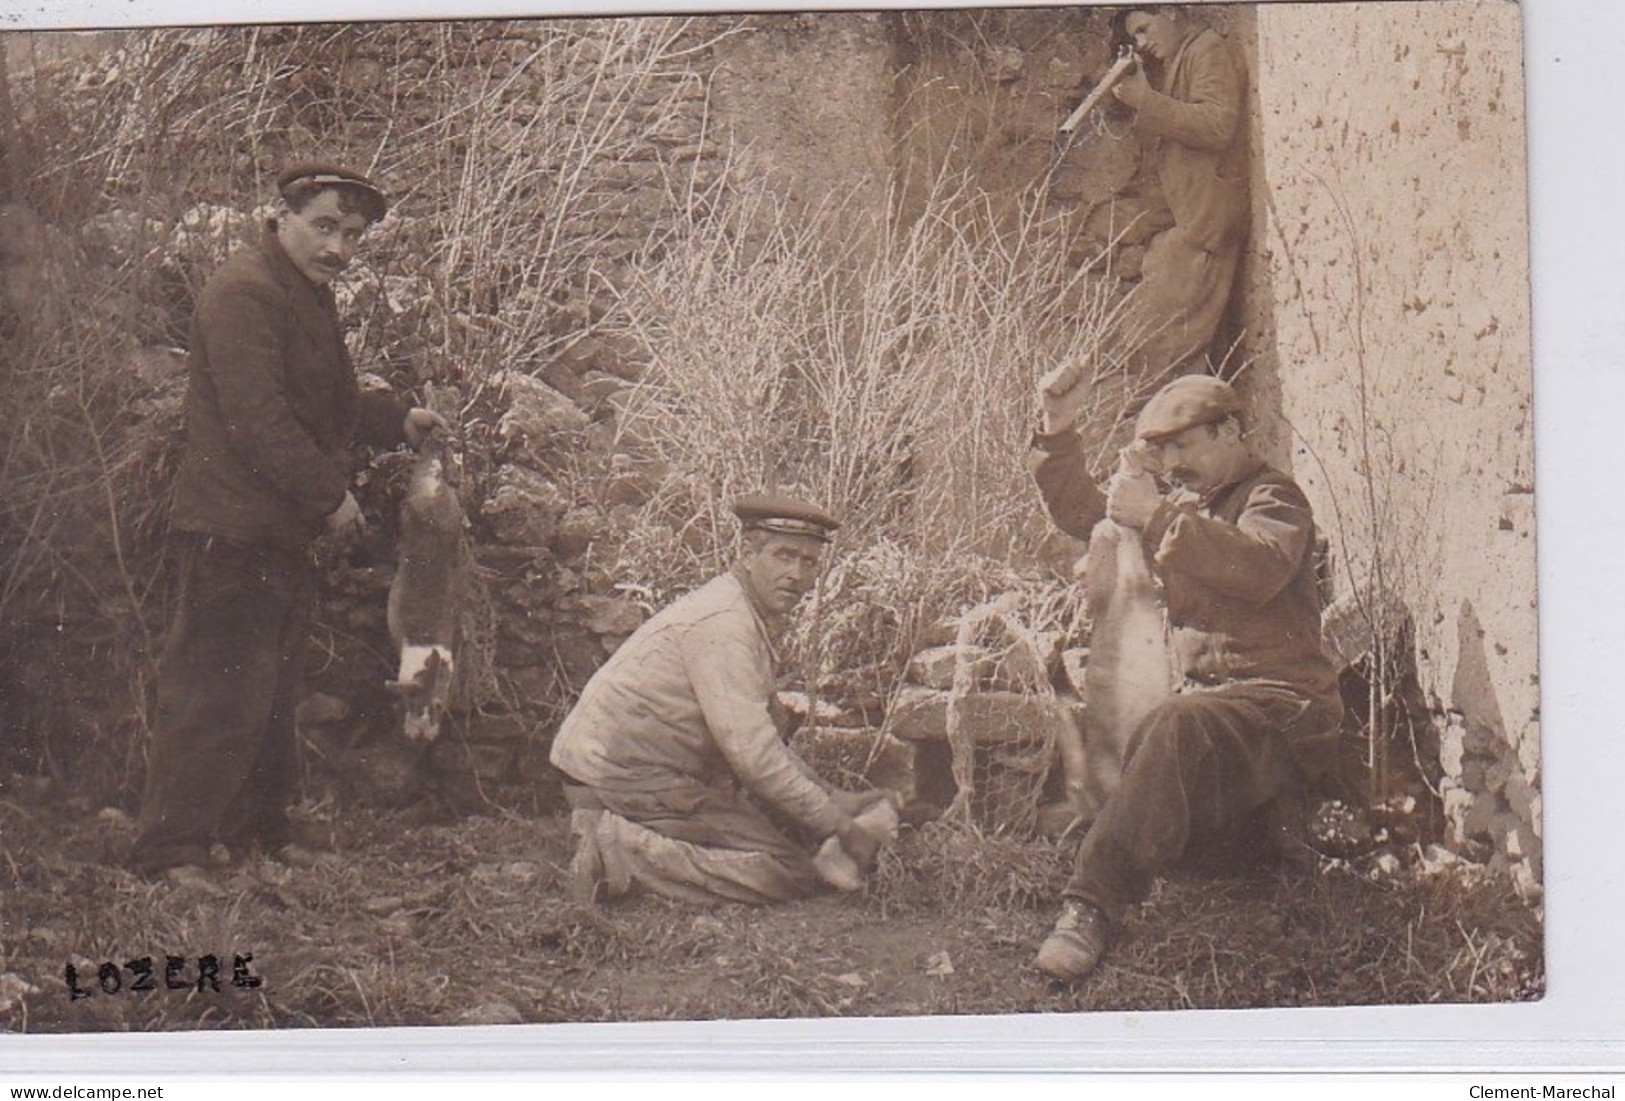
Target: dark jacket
[(1237, 571), (1200, 148), (273, 409)]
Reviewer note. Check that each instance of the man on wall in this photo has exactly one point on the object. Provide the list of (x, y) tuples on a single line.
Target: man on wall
[(1231, 543), (273, 410), (1193, 115), (674, 751)]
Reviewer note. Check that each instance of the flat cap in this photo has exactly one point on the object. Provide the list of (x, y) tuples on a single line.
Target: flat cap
[(784, 516), (326, 174), (1184, 403)]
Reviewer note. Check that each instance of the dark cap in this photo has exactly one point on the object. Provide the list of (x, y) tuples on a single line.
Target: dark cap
[(321, 174), (1185, 403), (784, 516)]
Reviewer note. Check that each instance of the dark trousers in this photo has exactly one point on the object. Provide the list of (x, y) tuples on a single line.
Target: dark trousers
[(222, 765), (1196, 767)]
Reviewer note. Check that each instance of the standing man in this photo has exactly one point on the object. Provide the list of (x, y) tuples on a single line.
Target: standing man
[(1193, 115), (674, 751), (1255, 721), (273, 411)]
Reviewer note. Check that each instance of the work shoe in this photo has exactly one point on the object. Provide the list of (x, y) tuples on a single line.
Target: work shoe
[(1075, 945)]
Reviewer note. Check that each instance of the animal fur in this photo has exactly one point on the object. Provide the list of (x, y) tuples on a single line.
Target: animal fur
[(425, 596), (1130, 669)]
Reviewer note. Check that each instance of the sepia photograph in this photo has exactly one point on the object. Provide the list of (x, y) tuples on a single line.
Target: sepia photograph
[(774, 515)]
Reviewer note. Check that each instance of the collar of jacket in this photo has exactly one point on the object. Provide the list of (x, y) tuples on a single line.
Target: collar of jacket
[(312, 305), (1249, 470)]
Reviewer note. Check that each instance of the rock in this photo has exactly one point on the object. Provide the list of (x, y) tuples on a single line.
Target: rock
[(14, 990), (537, 417), (855, 757), (1527, 883), (600, 387), (523, 507), (120, 236), (487, 761), (633, 481), (1452, 749), (496, 729), (158, 366), (383, 905), (921, 714), (1023, 668), (1457, 801), (1128, 263), (1522, 844), (578, 653), (578, 530), (521, 871), (1529, 754), (1478, 819), (1482, 739), (558, 375), (319, 709), (599, 438), (608, 615), (115, 818), (1497, 773), (1340, 830), (1004, 64), (624, 357), (799, 708), (534, 768), (1095, 167), (935, 667), (491, 1013), (944, 632), (531, 684)]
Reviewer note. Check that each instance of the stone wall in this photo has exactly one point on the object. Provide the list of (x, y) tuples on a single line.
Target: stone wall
[(1391, 299)]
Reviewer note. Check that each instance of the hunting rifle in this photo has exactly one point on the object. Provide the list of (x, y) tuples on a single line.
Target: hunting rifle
[(1126, 59)]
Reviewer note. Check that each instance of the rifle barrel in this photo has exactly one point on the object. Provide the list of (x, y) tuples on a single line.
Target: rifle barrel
[(1107, 82)]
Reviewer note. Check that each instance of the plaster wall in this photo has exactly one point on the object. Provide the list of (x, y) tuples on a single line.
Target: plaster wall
[(1391, 278)]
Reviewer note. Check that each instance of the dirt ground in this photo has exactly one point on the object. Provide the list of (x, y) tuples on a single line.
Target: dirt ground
[(466, 922)]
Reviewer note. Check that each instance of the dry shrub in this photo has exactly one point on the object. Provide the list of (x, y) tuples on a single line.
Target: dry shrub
[(888, 376)]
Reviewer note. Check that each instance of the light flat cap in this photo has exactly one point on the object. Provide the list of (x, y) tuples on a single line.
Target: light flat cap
[(324, 174), (784, 516), (1185, 403)]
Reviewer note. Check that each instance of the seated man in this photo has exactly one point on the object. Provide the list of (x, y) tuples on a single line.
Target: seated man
[(1231, 544), (674, 737)]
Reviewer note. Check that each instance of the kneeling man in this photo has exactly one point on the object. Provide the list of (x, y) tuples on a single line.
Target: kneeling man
[(676, 750)]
